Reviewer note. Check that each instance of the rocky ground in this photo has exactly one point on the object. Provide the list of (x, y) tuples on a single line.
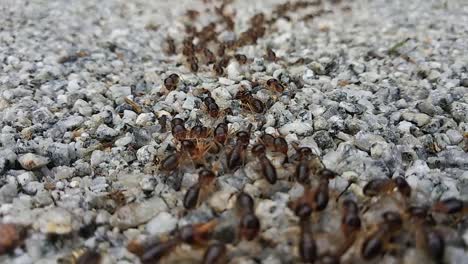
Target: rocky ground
[(376, 89)]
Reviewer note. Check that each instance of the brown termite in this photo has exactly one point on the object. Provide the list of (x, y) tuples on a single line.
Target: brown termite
[(350, 221), (431, 241), (275, 85), (221, 50), (155, 253), (197, 234), (89, 257), (321, 195), (170, 46), (218, 68), (244, 203), (199, 132), (215, 254), (221, 133), (267, 168), (280, 145), (303, 206), (268, 140), (270, 55), (307, 244), (178, 130), (171, 162), (171, 82), (192, 14), (384, 186), (191, 196), (209, 56), (193, 63), (241, 58), (196, 192), (212, 106), (249, 226), (302, 172), (249, 102), (376, 243), (236, 157), (450, 206)]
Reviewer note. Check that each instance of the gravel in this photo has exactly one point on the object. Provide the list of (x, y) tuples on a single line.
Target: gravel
[(375, 88)]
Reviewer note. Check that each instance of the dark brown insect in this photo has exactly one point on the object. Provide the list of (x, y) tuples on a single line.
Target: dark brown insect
[(192, 14), (236, 157), (268, 140), (249, 226), (373, 246), (191, 196), (198, 234), (218, 68), (89, 257), (327, 174), (221, 133), (171, 82), (221, 50), (212, 106), (275, 86), (179, 131), (280, 145), (321, 196), (402, 185), (268, 170), (258, 150), (303, 206), (350, 221), (244, 203), (215, 254), (249, 102), (270, 55), (378, 186), (199, 132), (155, 252), (170, 46), (241, 58), (193, 63), (171, 162), (449, 206), (434, 244), (302, 172), (209, 56), (307, 244)]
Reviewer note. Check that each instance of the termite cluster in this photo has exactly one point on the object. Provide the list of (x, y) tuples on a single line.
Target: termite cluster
[(383, 220)]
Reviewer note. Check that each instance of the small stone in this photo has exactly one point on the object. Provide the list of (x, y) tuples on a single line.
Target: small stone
[(134, 214), (297, 127), (418, 118), (323, 140), (63, 172), (8, 192), (308, 77), (163, 223), (71, 122), (144, 118), (364, 140), (118, 91), (25, 178), (103, 132), (454, 136), (32, 161), (56, 221)]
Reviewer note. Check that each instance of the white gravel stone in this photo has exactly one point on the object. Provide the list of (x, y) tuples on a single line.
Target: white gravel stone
[(162, 223), (32, 161)]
